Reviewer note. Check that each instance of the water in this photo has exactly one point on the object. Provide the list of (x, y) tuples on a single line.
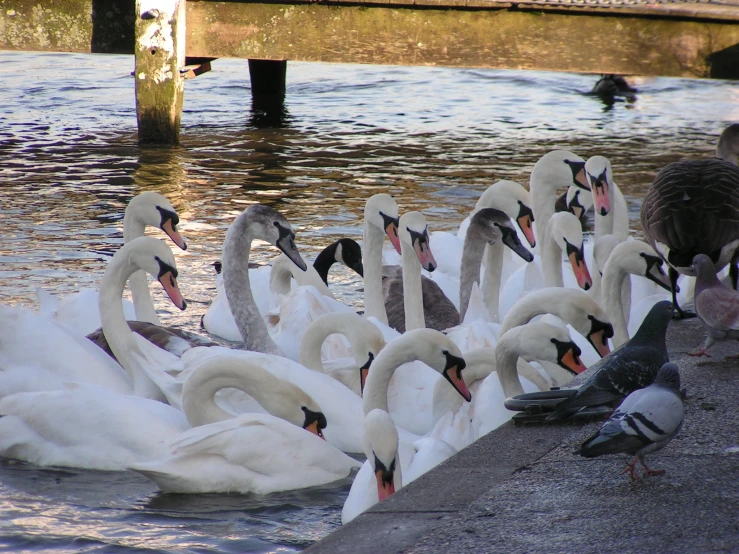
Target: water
[(432, 137)]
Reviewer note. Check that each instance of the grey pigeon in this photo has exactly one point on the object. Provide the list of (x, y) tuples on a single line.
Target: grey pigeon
[(716, 305), (645, 422), (631, 367)]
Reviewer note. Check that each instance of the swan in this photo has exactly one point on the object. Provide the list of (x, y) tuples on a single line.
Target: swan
[(410, 302), (578, 201), (461, 424), (573, 306), (691, 208), (218, 319), (631, 257), (249, 453), (611, 212), (415, 456), (38, 353), (92, 427), (366, 341), (79, 311)]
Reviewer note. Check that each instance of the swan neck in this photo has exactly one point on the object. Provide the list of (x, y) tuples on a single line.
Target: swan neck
[(470, 271), (492, 279), (611, 289), (412, 290), (314, 337), (374, 300), (133, 228), (506, 358), (324, 261), (551, 261), (235, 258), (378, 380)]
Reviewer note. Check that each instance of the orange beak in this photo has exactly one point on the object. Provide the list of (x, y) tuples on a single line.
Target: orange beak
[(584, 280), (598, 342), (524, 222), (363, 373), (582, 180), (458, 383), (601, 198), (392, 233), (169, 283), (572, 362), (174, 234), (384, 489), (313, 428)]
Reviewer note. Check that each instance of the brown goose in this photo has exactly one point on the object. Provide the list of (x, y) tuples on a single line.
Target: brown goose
[(728, 144), (692, 208)]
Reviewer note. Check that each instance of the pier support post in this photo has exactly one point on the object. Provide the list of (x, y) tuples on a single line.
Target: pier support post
[(160, 54), (268, 92)]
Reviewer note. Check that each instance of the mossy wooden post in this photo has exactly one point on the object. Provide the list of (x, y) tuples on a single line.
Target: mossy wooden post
[(160, 53), (267, 92)]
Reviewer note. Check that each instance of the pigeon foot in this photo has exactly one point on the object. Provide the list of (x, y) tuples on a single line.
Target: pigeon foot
[(699, 353)]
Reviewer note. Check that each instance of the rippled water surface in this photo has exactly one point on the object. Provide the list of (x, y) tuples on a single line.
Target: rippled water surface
[(434, 138)]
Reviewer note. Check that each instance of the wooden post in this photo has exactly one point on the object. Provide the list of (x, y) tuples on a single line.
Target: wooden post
[(268, 92), (160, 54)]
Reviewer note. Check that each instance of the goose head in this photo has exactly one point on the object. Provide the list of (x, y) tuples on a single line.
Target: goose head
[(579, 201), (566, 231), (381, 210), (728, 144), (153, 209), (271, 226), (560, 168), (600, 177), (156, 258), (414, 234), (550, 343), (638, 258), (380, 443), (494, 225), (349, 253), (511, 198)]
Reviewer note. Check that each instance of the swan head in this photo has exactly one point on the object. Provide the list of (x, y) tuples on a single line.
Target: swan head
[(349, 253), (270, 225), (566, 231), (600, 178), (551, 343), (414, 234), (153, 209), (494, 225), (560, 168), (380, 444), (578, 201), (313, 421), (511, 198), (638, 258), (381, 210), (156, 258)]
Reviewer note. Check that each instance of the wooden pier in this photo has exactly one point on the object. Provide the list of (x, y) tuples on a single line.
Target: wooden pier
[(176, 39)]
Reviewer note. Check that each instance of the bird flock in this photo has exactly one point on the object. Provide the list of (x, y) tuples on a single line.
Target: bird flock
[(454, 324)]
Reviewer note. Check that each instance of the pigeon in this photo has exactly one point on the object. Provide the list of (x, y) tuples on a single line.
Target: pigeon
[(631, 367), (645, 422), (716, 305)]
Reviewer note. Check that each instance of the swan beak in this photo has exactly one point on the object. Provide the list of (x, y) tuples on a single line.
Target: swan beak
[(384, 488), (601, 198), (580, 268), (169, 282), (174, 234), (524, 223), (581, 179), (656, 273), (363, 373), (600, 343), (572, 362), (454, 376), (423, 251), (287, 245), (576, 210), (510, 239), (315, 429), (391, 230)]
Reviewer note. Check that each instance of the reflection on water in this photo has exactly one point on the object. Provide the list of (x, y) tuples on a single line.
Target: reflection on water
[(432, 137)]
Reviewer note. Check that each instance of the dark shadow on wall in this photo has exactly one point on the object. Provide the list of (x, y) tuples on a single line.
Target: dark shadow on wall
[(725, 63), (112, 26)]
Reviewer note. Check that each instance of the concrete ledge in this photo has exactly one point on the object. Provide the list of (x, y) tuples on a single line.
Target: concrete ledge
[(521, 489)]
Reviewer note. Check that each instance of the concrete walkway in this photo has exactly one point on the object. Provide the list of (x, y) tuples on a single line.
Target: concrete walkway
[(521, 488)]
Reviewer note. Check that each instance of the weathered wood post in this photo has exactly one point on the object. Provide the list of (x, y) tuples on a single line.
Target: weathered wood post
[(160, 54)]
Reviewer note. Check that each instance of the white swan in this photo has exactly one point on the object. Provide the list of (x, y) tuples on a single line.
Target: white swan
[(365, 339), (574, 307), (460, 424), (611, 212), (249, 453), (92, 427), (415, 456), (79, 311)]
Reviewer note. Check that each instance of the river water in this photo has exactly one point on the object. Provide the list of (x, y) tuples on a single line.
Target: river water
[(432, 137)]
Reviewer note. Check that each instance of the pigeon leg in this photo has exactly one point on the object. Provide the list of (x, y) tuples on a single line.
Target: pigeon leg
[(734, 273), (631, 469), (699, 353), (648, 470), (679, 312)]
